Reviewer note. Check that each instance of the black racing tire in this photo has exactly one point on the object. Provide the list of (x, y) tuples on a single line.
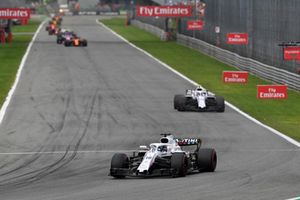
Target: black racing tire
[(220, 107), (84, 43), (51, 32), (119, 160), (179, 164), (175, 101), (207, 160), (67, 44), (58, 41), (181, 101)]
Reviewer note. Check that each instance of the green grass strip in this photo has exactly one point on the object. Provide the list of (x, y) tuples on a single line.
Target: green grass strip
[(282, 115), (30, 27), (11, 55)]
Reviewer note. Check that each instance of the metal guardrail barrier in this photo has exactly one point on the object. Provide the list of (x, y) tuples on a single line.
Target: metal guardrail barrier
[(265, 71), (150, 28), (271, 73)]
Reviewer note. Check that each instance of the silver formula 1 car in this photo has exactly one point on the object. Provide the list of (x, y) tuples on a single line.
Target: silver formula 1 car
[(199, 100), (166, 158)]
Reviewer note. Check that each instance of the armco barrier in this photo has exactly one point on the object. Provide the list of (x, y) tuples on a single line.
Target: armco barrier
[(150, 28), (247, 64), (292, 80)]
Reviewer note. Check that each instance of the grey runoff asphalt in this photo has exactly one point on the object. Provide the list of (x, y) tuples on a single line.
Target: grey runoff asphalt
[(74, 107)]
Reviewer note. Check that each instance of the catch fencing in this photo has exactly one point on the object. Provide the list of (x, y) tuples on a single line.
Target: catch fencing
[(268, 72), (265, 71), (268, 23)]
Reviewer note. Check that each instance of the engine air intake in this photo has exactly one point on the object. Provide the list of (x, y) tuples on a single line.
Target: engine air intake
[(164, 140)]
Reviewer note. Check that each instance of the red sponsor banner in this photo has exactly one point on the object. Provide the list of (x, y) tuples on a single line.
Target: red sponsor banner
[(235, 76), (164, 11), (195, 25), (237, 38), (272, 92), (14, 13), (291, 53)]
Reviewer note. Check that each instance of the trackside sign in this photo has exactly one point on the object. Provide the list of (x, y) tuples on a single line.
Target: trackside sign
[(235, 76), (291, 53), (272, 92), (237, 38), (195, 25), (14, 13), (164, 11)]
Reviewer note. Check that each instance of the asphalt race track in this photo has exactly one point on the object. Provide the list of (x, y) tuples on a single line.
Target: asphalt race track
[(74, 107)]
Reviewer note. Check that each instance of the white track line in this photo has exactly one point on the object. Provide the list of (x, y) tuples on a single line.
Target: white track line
[(296, 198), (291, 140), (130, 151), (65, 152), (13, 88)]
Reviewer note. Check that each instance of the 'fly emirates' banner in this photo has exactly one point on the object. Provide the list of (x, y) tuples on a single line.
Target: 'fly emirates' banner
[(235, 76), (14, 13), (272, 92), (195, 25), (164, 11), (292, 53), (237, 38)]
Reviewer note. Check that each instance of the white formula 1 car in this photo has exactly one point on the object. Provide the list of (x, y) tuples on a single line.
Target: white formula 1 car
[(165, 158), (199, 100)]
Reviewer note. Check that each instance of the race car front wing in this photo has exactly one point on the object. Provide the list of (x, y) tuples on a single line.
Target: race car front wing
[(155, 172)]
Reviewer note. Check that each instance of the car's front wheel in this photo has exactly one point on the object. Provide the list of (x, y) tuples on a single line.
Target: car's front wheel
[(119, 161), (180, 103), (67, 44), (179, 164), (220, 104), (176, 100)]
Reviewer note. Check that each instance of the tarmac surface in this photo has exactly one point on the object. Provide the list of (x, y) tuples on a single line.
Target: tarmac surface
[(74, 107)]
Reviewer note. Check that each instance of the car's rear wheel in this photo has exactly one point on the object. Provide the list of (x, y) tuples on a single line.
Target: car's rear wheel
[(84, 43), (119, 161), (207, 160), (179, 164)]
